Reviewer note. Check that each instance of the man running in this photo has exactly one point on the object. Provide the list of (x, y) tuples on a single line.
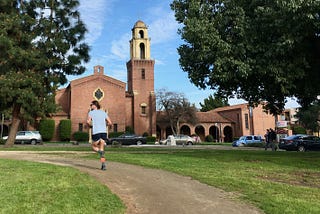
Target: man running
[(99, 120)]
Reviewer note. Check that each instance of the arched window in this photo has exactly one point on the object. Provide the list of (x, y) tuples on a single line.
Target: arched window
[(143, 108), (141, 34), (142, 51)]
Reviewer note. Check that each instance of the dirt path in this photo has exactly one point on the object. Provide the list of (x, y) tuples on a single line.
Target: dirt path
[(146, 190)]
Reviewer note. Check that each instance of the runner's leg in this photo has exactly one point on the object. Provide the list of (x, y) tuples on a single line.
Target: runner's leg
[(101, 152)]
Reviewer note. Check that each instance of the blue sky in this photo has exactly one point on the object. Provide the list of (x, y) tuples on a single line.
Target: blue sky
[(110, 22)]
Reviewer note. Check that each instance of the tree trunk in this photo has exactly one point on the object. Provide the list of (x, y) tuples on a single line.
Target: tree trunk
[(14, 126), (172, 128), (178, 125)]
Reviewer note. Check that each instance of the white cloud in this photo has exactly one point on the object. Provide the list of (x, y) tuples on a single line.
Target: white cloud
[(119, 74), (164, 27), (159, 62), (93, 14), (120, 48)]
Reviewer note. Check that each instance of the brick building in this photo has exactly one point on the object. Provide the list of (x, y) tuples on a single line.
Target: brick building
[(131, 104), (225, 123)]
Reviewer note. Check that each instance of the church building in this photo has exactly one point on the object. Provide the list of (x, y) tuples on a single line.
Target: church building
[(130, 104), (133, 104)]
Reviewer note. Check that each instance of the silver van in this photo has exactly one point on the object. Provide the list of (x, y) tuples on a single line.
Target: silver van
[(247, 139)]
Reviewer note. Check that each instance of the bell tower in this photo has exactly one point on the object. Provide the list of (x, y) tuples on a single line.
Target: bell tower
[(140, 72)]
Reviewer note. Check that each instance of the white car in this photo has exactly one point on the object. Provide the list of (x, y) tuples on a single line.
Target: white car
[(32, 137), (180, 139)]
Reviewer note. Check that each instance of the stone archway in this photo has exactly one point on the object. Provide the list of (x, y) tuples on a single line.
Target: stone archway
[(199, 130), (228, 135), (214, 132), (185, 130)]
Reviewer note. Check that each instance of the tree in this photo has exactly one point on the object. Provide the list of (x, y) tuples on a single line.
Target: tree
[(41, 42), (254, 50), (310, 117), (213, 102), (176, 109)]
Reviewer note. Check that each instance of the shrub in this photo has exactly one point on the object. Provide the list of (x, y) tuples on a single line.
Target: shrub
[(299, 130), (236, 138), (115, 134), (46, 129), (145, 134), (116, 144), (209, 138), (255, 145), (81, 136), (151, 139), (65, 130), (129, 129)]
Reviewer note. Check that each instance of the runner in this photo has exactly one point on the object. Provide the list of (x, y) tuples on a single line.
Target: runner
[(98, 120)]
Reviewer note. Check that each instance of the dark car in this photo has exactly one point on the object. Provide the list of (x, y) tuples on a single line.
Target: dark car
[(128, 139), (300, 143)]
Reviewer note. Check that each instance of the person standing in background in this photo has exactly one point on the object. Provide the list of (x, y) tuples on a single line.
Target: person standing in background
[(273, 139), (267, 137)]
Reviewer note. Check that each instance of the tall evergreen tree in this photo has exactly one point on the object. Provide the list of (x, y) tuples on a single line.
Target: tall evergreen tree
[(41, 42), (211, 103), (255, 50)]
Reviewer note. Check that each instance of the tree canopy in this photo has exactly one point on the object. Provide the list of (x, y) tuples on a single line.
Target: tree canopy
[(213, 102), (41, 42), (255, 50), (310, 117), (176, 109)]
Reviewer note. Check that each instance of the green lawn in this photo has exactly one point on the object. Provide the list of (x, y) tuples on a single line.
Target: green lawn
[(28, 187), (276, 182)]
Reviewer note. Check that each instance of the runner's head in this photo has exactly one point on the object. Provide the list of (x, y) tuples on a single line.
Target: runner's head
[(95, 103)]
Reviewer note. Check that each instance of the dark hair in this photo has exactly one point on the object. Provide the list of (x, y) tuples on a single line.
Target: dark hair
[(96, 103)]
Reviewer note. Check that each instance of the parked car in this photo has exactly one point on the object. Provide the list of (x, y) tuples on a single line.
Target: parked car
[(180, 139), (300, 143), (32, 137), (245, 140), (128, 139)]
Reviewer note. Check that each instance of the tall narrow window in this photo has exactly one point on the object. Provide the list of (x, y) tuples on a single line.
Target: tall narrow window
[(80, 127), (115, 127), (143, 110), (143, 74), (238, 120), (246, 120), (141, 34), (142, 51)]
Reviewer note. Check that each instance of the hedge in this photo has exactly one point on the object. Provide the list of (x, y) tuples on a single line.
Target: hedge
[(65, 130), (46, 129), (209, 138), (81, 136)]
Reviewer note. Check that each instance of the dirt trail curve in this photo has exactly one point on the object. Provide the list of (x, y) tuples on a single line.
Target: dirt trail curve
[(148, 191)]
